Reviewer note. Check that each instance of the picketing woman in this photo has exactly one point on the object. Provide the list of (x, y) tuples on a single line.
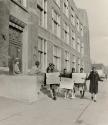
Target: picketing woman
[(94, 78), (53, 87)]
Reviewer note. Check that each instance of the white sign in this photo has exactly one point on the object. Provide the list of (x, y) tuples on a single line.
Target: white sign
[(52, 78), (78, 77), (66, 83)]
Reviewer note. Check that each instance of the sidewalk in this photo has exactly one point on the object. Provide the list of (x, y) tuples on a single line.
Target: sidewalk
[(43, 112)]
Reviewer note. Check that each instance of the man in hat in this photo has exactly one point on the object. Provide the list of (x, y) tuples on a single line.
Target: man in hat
[(94, 78)]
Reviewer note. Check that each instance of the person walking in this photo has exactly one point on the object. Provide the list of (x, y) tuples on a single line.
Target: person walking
[(94, 78), (68, 91), (82, 87), (53, 87)]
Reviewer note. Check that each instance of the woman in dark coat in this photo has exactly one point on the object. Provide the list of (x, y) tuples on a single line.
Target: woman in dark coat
[(94, 78)]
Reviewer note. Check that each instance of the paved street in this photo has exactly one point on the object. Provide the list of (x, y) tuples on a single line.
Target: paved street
[(61, 112)]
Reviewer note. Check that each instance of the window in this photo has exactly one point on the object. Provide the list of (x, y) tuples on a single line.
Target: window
[(42, 52), (82, 64), (56, 29), (66, 7), (77, 24), (78, 65), (73, 42), (57, 2), (74, 62), (22, 2), (57, 57), (42, 13), (39, 10), (72, 16), (66, 32), (82, 30), (67, 60), (82, 49), (78, 45)]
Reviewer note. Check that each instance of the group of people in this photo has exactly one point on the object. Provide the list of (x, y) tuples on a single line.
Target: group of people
[(93, 87), (14, 66), (93, 77)]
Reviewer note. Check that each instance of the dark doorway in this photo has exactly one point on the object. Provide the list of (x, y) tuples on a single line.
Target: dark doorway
[(15, 44)]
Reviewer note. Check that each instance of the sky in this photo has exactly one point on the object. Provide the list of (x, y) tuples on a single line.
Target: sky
[(97, 11)]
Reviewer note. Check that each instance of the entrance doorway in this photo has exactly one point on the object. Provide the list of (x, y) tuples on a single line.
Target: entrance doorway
[(15, 44)]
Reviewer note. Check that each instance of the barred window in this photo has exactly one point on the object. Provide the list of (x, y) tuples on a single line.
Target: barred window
[(66, 32), (56, 28), (82, 49), (72, 16), (82, 30), (77, 24), (73, 42), (42, 13), (42, 52), (78, 45), (67, 60), (57, 57), (79, 64), (74, 62), (66, 7)]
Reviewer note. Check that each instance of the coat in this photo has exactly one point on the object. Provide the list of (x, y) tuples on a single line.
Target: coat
[(51, 70), (94, 78)]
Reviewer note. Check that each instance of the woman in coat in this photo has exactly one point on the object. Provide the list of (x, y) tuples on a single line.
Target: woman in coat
[(94, 78)]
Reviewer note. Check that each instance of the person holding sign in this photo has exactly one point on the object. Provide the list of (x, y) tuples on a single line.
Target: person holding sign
[(79, 80), (53, 86), (94, 78), (67, 84), (83, 87)]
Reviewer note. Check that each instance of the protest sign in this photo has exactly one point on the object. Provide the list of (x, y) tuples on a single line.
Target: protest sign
[(78, 77), (52, 78), (66, 83)]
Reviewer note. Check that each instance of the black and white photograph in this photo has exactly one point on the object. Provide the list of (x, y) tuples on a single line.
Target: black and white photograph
[(53, 62)]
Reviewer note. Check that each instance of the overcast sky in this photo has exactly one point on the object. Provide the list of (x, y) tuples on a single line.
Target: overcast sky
[(98, 24)]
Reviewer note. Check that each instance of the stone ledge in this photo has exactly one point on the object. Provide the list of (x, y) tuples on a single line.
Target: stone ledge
[(20, 87)]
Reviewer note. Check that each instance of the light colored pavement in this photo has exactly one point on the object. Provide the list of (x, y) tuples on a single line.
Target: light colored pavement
[(61, 112)]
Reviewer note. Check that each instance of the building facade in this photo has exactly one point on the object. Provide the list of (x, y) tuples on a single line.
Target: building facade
[(50, 31)]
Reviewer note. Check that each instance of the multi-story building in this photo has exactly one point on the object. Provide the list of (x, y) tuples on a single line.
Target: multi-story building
[(50, 31)]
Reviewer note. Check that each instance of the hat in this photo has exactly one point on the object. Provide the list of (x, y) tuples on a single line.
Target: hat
[(37, 63), (81, 68), (50, 64)]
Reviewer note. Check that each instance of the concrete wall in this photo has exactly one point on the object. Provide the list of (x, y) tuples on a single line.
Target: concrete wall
[(23, 88)]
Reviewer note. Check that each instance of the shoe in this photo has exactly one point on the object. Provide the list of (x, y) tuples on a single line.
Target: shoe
[(92, 97), (94, 100), (65, 97), (73, 97), (54, 98)]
